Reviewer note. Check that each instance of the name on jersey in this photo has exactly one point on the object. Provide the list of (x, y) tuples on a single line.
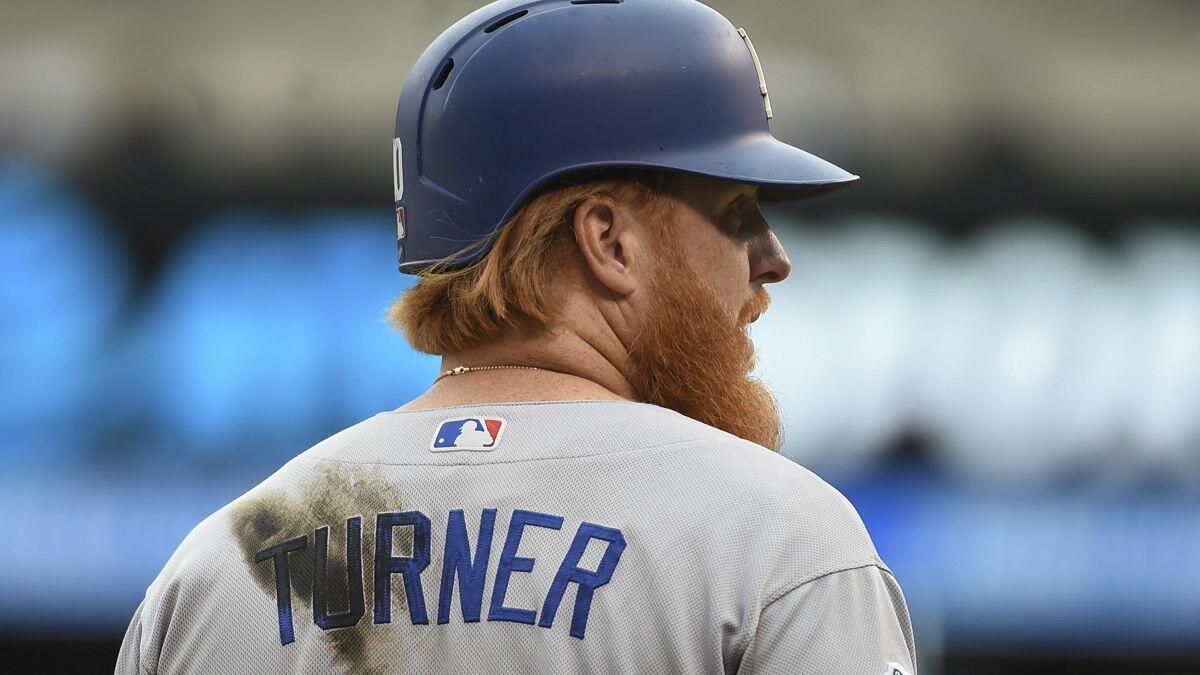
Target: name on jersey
[(470, 568)]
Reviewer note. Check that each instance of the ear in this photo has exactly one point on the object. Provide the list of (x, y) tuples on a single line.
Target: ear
[(609, 243)]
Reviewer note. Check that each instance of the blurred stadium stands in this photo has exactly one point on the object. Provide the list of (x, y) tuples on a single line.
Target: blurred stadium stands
[(1025, 354)]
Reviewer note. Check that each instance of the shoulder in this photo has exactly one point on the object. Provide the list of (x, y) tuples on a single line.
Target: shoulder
[(271, 509), (798, 526), (192, 563), (212, 572)]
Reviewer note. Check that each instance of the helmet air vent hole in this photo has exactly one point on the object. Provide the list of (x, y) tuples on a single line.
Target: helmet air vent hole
[(506, 20), (443, 74)]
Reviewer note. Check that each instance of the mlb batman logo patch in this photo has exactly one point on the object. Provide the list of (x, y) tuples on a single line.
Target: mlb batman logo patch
[(894, 668), (472, 433)]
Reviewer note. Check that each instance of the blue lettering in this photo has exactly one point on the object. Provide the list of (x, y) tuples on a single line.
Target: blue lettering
[(588, 580), (354, 581), (470, 566), (283, 592), (411, 566), (510, 562), (457, 560)]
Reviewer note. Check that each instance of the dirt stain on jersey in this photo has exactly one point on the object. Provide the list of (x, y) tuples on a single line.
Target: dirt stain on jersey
[(326, 497)]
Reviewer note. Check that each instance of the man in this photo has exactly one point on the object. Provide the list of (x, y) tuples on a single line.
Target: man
[(592, 484)]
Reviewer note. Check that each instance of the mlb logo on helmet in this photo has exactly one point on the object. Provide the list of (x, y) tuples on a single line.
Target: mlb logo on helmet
[(472, 433)]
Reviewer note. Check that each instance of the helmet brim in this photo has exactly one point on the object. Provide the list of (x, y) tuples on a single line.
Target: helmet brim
[(781, 171)]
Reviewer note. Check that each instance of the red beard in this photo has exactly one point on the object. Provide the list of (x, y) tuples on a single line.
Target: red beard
[(692, 357)]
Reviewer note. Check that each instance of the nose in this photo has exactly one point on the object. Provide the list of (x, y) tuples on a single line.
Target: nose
[(769, 263)]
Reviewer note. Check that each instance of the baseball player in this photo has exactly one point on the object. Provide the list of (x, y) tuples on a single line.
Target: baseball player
[(593, 483)]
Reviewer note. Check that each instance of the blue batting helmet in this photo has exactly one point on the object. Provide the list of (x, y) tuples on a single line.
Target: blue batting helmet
[(523, 91)]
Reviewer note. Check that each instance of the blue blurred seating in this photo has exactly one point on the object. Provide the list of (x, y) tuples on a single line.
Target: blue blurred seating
[(63, 287), (263, 330)]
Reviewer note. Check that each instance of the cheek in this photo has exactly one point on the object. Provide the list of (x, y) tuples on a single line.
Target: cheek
[(727, 269), (718, 259)]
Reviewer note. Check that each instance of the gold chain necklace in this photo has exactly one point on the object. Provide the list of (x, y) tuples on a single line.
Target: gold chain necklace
[(469, 369)]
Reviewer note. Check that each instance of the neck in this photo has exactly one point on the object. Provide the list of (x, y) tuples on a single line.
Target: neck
[(577, 360)]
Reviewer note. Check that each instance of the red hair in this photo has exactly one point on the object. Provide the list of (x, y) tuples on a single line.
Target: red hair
[(517, 282)]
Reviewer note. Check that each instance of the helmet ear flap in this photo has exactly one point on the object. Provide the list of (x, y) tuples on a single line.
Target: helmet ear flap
[(401, 232), (398, 192)]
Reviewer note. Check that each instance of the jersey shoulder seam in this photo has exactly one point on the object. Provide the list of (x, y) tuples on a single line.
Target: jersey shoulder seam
[(873, 562), (665, 446)]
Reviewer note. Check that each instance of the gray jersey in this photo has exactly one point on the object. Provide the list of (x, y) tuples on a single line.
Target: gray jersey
[(589, 536)]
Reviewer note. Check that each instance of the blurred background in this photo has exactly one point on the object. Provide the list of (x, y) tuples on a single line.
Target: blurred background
[(991, 344)]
